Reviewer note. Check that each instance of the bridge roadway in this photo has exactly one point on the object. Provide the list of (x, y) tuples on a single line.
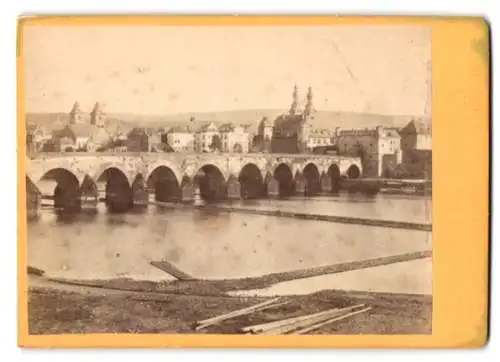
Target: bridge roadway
[(128, 178)]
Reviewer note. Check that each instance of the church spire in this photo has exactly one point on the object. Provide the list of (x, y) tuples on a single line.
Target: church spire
[(295, 107), (309, 108)]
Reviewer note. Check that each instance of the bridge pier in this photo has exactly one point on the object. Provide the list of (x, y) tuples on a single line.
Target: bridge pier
[(273, 188), (300, 186), (140, 195), (187, 193), (89, 201), (33, 200), (326, 183), (89, 196), (233, 189)]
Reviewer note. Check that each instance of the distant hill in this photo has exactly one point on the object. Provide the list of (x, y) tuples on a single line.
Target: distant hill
[(323, 119)]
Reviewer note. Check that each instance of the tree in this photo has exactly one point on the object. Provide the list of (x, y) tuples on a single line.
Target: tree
[(216, 144)]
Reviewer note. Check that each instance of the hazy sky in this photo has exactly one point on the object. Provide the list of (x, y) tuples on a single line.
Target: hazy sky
[(170, 69)]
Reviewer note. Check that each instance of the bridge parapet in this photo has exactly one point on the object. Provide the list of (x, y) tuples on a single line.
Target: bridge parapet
[(179, 155)]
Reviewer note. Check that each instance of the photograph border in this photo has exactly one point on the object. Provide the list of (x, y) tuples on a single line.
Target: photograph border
[(460, 200)]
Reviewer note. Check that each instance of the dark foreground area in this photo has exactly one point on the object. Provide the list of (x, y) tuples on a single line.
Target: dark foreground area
[(55, 308)]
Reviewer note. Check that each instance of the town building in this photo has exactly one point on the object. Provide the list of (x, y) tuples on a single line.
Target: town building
[(416, 146), (180, 139), (291, 130), (207, 138), (379, 148), (234, 138), (319, 138), (36, 137), (261, 138)]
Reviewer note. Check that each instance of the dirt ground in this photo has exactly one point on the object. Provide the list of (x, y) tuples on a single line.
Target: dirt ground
[(55, 308)]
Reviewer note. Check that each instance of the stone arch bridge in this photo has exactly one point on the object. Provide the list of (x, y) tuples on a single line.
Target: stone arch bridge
[(129, 178)]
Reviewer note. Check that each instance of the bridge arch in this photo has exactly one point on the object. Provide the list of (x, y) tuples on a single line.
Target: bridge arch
[(312, 179), (118, 190), (172, 167), (211, 183), (165, 184), (66, 188), (121, 167), (251, 181), (353, 172), (334, 177), (284, 178)]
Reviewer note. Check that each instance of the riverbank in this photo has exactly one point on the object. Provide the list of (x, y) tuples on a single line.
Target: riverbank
[(58, 308)]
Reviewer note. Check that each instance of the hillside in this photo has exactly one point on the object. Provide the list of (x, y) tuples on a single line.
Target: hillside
[(323, 119)]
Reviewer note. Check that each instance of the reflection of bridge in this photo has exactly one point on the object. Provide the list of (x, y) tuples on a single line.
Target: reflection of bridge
[(127, 177)]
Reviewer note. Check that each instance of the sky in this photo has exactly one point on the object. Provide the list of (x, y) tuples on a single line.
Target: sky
[(173, 69)]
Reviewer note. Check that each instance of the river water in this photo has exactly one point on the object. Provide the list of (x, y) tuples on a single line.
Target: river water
[(213, 245)]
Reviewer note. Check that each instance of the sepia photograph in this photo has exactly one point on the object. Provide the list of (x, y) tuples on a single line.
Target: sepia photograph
[(219, 179)]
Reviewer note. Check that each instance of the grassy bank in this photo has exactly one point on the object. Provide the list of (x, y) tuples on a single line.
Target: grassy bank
[(56, 308)]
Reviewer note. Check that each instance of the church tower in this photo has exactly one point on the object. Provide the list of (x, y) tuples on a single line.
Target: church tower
[(76, 114), (295, 107), (97, 116), (309, 109), (304, 125)]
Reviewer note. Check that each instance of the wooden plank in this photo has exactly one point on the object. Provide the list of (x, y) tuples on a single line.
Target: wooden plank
[(248, 310), (310, 320), (271, 325), (328, 321), (172, 270)]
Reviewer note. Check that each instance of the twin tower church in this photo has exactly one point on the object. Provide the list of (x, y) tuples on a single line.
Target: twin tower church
[(77, 116), (289, 133)]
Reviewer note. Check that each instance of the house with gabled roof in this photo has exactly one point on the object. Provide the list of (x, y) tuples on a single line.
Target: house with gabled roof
[(234, 138), (180, 138), (207, 138)]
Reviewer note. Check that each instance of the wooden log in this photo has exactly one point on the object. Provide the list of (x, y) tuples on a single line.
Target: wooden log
[(328, 321), (248, 310), (310, 320), (172, 270)]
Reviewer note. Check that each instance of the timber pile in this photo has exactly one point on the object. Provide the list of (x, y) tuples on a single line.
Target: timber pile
[(295, 325)]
